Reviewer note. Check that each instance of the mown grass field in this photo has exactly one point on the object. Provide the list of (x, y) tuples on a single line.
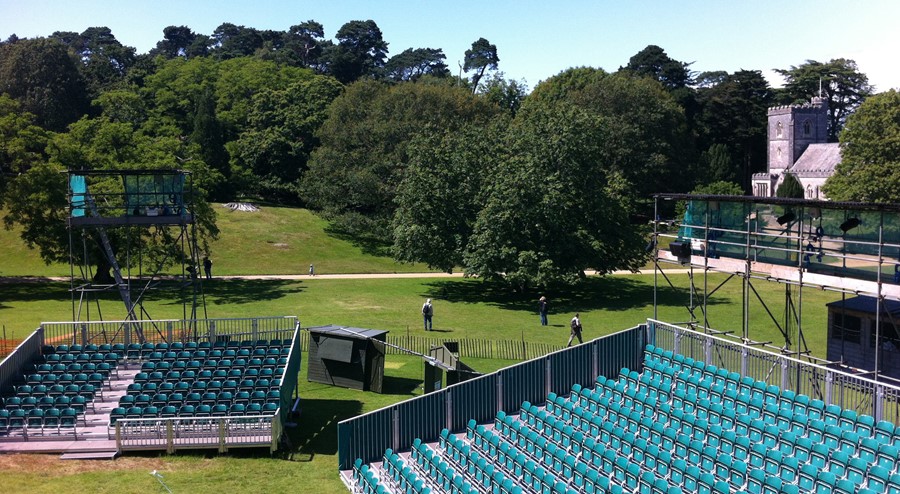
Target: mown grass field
[(464, 308), (272, 240)]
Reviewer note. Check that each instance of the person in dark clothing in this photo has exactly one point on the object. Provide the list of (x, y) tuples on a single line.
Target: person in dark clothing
[(576, 330), (427, 312), (542, 310), (207, 267)]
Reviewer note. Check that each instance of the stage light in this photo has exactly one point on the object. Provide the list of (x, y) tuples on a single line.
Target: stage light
[(850, 224), (786, 218)]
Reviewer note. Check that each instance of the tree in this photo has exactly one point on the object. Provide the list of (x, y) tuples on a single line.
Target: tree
[(22, 143), (552, 209), (718, 163), (482, 56), (272, 153), (44, 78), (870, 153), (790, 187), (304, 42), (734, 114), (353, 175), (653, 62), (410, 64), (841, 84), (507, 94), (648, 143), (231, 41), (104, 60), (181, 41), (208, 136), (441, 194), (360, 52)]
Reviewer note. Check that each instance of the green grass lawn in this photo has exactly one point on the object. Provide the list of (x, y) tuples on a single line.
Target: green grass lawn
[(272, 240)]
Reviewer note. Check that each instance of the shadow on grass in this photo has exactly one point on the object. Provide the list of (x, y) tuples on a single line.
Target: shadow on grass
[(399, 385), (368, 245), (223, 292), (316, 431), (614, 293), (33, 290)]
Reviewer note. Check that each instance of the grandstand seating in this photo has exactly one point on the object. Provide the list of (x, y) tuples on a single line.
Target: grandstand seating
[(678, 425), (58, 389), (176, 380), (223, 379)]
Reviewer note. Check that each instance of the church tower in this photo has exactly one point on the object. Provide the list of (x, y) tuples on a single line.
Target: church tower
[(792, 129)]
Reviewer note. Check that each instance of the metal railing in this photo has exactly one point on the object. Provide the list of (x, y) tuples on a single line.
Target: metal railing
[(396, 426), (220, 433), (168, 330), (832, 386)]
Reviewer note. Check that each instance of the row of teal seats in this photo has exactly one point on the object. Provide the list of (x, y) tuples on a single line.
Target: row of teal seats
[(208, 398), (95, 378), (542, 466), (86, 390), (191, 411), (367, 482), (175, 376), (73, 368), (439, 473), (39, 420), (225, 365), (77, 402), (137, 350), (404, 479), (202, 386), (524, 447), (81, 358), (216, 354)]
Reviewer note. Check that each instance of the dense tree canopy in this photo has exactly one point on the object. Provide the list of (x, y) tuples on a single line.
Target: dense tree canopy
[(481, 57), (840, 82), (353, 175), (870, 153), (43, 76), (653, 62)]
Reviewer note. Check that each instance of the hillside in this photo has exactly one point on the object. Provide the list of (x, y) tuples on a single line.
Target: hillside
[(271, 241)]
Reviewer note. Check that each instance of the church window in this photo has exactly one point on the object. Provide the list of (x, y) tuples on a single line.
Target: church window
[(779, 130), (778, 153), (809, 192), (807, 128)]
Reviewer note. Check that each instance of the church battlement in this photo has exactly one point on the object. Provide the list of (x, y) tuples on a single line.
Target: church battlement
[(814, 105)]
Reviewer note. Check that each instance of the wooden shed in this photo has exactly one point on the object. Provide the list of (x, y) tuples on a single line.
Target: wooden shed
[(347, 357)]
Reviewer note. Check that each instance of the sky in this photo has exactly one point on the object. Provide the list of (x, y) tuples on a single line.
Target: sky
[(535, 39)]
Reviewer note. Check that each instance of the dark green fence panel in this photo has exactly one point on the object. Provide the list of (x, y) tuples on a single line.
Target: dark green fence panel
[(473, 399), (622, 349), (524, 382), (422, 417), (365, 436), (571, 366)]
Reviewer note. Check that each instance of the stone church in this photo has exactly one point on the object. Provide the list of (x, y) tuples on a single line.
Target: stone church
[(798, 145)]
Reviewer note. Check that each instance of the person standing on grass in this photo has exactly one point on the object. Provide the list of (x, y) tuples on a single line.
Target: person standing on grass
[(312, 270), (207, 267), (576, 331), (542, 309), (427, 312)]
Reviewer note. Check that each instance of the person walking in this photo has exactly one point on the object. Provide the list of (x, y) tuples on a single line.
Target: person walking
[(312, 270), (542, 310), (207, 267), (427, 312), (576, 330)]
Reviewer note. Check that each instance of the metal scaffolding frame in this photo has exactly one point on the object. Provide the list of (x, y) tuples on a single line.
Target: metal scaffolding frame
[(783, 241)]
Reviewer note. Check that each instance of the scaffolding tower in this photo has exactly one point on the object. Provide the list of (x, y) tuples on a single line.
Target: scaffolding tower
[(132, 232)]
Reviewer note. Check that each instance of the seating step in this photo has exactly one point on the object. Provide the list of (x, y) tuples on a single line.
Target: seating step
[(92, 455)]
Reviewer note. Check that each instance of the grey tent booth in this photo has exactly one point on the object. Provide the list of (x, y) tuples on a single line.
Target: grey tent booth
[(347, 357)]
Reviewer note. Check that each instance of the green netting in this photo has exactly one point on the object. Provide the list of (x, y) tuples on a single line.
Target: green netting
[(154, 194), (838, 241)]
